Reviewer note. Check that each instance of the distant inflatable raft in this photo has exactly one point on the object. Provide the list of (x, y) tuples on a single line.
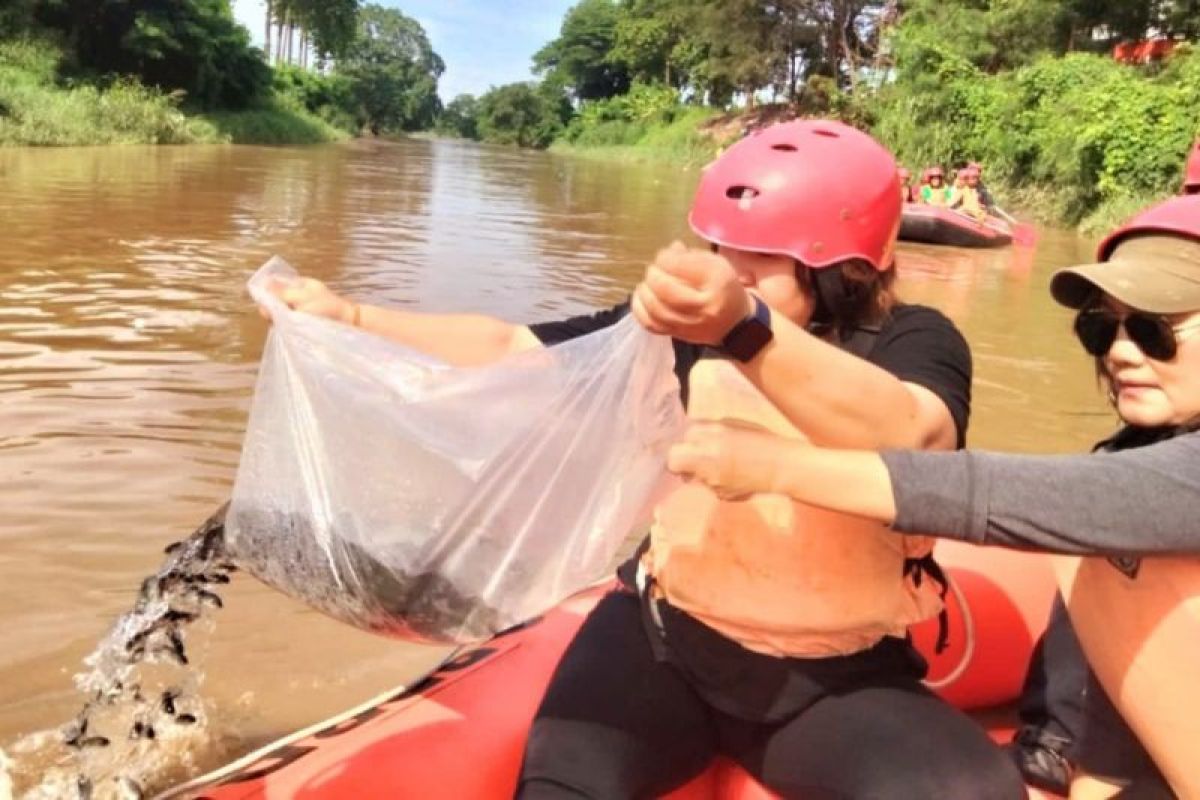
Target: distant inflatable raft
[(937, 225)]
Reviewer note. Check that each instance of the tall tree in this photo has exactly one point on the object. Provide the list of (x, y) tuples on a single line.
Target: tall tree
[(649, 41), (16, 17), (460, 117), (193, 45), (518, 113), (393, 71), (580, 57), (330, 25)]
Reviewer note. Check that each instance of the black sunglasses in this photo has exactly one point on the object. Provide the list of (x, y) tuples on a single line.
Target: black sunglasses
[(1153, 334)]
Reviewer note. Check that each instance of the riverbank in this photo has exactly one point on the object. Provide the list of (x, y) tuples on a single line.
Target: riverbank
[(699, 138), (685, 137), (37, 110)]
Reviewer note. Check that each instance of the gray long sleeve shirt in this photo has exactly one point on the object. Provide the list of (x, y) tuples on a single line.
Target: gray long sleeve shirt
[(1134, 502)]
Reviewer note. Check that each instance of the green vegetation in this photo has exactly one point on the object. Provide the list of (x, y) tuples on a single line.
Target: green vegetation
[(647, 123), (144, 71), (1028, 87), (523, 114), (1065, 130), (34, 110), (391, 73), (274, 122)]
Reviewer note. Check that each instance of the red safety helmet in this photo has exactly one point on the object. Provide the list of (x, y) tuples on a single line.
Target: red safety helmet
[(819, 191), (1191, 177), (1179, 215)]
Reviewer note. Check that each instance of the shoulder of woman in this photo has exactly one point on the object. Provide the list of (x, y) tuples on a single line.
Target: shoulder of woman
[(910, 316)]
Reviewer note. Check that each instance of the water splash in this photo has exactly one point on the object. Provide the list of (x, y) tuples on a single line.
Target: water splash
[(144, 725)]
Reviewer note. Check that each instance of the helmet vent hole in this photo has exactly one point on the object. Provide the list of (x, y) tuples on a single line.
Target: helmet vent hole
[(823, 132), (784, 147), (741, 193)]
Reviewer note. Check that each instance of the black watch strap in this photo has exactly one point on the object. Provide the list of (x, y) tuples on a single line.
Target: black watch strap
[(750, 335)]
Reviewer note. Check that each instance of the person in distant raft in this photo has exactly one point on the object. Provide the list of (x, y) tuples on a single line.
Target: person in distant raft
[(1137, 495), (985, 196), (968, 198), (934, 191), (907, 191), (764, 631)]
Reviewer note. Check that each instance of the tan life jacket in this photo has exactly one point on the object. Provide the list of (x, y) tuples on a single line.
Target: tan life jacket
[(780, 577)]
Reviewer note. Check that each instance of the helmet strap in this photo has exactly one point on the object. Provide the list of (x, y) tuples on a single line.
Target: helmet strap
[(823, 317), (841, 306)]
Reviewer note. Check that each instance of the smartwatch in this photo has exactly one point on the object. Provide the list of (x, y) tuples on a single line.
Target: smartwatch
[(750, 335)]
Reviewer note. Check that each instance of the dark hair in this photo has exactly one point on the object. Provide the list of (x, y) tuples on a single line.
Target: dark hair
[(850, 295)]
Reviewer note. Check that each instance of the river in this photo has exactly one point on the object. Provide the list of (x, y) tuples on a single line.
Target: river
[(128, 350)]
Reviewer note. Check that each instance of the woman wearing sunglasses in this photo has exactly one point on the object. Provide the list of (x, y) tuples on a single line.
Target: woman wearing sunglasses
[(1138, 494)]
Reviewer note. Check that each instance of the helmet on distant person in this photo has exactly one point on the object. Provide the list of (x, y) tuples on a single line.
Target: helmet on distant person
[(819, 191), (935, 172)]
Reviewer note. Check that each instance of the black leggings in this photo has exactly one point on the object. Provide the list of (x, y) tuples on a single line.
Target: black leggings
[(618, 723)]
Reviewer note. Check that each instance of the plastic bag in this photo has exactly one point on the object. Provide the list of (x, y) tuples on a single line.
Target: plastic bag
[(408, 497)]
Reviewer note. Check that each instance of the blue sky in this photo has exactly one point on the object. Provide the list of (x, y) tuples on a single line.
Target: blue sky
[(483, 42)]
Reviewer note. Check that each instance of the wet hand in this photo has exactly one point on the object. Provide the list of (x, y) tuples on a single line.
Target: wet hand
[(691, 294), (734, 459), (312, 297)]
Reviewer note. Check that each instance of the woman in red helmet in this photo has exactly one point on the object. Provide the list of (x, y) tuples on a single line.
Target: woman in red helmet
[(1138, 495), (791, 658), (767, 641)]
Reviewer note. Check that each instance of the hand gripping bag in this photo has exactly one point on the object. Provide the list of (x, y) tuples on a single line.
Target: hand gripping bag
[(433, 503)]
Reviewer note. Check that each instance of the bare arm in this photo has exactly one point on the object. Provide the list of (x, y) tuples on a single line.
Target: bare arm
[(736, 462), (841, 400), (459, 339), (835, 398)]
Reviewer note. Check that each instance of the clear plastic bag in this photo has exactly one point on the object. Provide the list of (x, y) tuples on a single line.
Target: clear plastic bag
[(411, 498)]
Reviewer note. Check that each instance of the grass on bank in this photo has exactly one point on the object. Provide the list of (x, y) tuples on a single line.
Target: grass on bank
[(680, 141), (1047, 205), (275, 122), (36, 109)]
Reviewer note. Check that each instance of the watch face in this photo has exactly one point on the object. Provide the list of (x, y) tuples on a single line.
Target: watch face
[(747, 339), (751, 334)]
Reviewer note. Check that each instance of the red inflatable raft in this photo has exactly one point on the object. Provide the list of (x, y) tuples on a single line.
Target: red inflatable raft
[(460, 731), (937, 225)]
